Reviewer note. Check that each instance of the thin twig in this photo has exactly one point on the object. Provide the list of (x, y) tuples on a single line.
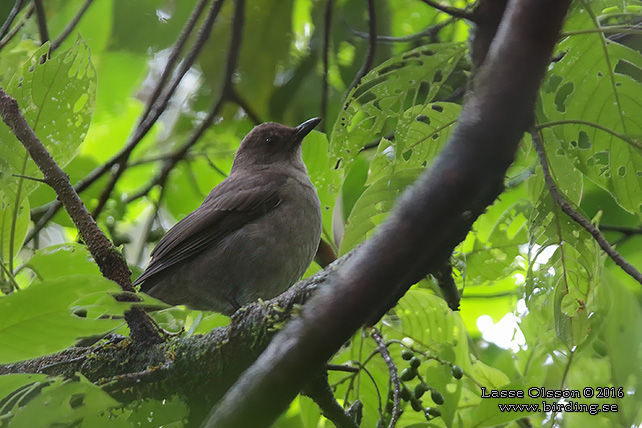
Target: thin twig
[(11, 34), (425, 33), (622, 229), (342, 368), (159, 106), (187, 30), (144, 122), (327, 27), (42, 21), (452, 11), (70, 27), (12, 280), (236, 98), (319, 390), (12, 15), (110, 261), (394, 376), (577, 217), (27, 177), (372, 44), (227, 90), (630, 141)]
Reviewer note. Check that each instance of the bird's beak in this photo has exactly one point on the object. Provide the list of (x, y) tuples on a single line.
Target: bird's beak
[(305, 128)]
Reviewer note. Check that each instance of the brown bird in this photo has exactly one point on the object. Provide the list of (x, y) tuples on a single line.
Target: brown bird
[(255, 234)]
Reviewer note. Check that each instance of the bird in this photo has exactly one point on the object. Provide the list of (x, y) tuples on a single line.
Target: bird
[(254, 235)]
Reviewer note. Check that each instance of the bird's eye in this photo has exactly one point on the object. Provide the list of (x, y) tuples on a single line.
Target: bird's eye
[(269, 140)]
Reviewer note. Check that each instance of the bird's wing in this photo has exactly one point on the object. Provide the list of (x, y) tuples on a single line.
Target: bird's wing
[(233, 203)]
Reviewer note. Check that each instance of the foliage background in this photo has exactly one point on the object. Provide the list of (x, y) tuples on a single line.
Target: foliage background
[(541, 304)]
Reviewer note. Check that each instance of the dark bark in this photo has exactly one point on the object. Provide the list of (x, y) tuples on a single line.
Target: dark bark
[(433, 216)]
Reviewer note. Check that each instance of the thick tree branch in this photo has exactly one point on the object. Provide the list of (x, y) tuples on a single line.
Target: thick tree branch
[(559, 199), (432, 217), (163, 370)]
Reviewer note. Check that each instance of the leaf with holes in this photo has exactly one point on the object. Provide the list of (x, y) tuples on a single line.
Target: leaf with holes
[(563, 257), (377, 104), (598, 84), (57, 99), (65, 402), (421, 133)]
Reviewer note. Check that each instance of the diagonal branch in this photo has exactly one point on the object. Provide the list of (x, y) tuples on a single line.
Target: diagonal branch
[(146, 122), (394, 376), (70, 27), (579, 218), (452, 11), (12, 15), (110, 261), (42, 21), (372, 44), (153, 111), (11, 33), (227, 93), (327, 31), (431, 218), (319, 390)]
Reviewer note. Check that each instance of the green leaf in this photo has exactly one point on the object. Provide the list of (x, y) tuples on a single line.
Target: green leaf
[(62, 260), (421, 133), (373, 206), (497, 255), (488, 413), (593, 83), (42, 316), (427, 319), (377, 104), (57, 99), (13, 227), (563, 257), (63, 403), (11, 382)]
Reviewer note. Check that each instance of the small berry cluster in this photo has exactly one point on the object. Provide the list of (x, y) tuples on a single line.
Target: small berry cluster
[(414, 397)]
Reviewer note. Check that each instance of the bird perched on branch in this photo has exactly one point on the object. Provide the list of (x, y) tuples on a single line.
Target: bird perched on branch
[(254, 235)]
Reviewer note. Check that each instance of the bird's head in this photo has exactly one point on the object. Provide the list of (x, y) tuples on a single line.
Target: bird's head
[(271, 143)]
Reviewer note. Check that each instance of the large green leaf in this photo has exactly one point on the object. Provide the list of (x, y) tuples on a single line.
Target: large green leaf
[(57, 99), (564, 258), (376, 105), (593, 83), (42, 316), (63, 403), (421, 133), (373, 207), (492, 250), (326, 180)]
